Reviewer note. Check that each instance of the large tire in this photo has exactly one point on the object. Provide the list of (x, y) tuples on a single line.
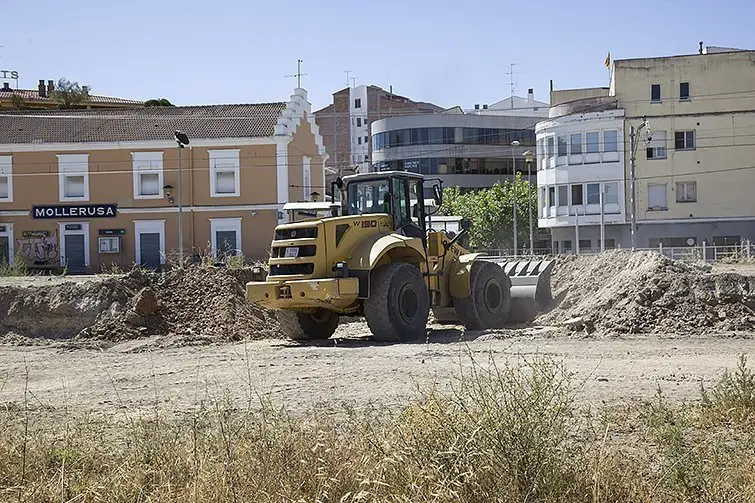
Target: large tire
[(490, 300), (308, 326), (398, 305)]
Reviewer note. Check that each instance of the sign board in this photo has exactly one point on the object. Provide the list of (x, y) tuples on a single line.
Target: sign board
[(2, 228), (73, 227), (112, 232), (36, 234), (9, 74), (110, 244), (75, 211)]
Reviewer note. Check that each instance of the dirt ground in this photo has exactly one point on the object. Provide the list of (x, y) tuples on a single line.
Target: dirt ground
[(348, 370)]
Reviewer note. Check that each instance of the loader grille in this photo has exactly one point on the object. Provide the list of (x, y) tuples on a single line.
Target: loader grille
[(291, 269), (298, 233), (304, 251)]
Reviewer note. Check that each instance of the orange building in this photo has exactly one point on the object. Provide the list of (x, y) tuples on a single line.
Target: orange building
[(88, 189)]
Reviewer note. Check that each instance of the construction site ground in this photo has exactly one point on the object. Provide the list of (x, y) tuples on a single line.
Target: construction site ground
[(186, 352)]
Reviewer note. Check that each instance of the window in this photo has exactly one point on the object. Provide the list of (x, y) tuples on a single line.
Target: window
[(6, 182), (226, 236), (551, 196), (542, 198), (307, 177), (73, 177), (359, 140), (562, 146), (366, 138), (593, 193), (148, 174), (684, 140), (610, 244), (592, 142), (657, 196), (224, 173), (366, 158), (686, 192), (585, 244), (563, 195), (577, 194), (358, 103), (657, 145), (359, 122), (549, 147), (611, 193), (610, 140), (684, 91), (655, 92), (566, 245), (576, 143)]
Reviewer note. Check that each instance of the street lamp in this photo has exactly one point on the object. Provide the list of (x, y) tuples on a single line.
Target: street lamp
[(181, 140), (528, 159), (514, 144)]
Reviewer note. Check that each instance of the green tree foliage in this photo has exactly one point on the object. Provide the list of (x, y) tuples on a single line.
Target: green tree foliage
[(491, 212), (158, 102), (70, 94), (17, 101)]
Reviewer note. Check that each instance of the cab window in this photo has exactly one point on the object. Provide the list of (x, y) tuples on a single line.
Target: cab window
[(369, 197)]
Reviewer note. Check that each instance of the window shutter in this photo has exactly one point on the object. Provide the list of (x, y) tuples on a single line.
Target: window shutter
[(3, 187), (74, 186), (225, 182), (657, 196)]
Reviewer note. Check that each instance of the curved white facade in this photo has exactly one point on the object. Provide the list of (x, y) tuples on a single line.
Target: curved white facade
[(581, 157)]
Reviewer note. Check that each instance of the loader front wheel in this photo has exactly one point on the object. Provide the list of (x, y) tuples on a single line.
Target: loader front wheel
[(300, 326), (398, 305), (490, 300)]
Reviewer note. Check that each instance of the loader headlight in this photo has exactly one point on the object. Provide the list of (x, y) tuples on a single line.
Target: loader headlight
[(341, 270)]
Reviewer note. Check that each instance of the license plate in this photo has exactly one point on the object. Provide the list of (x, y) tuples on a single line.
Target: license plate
[(292, 252)]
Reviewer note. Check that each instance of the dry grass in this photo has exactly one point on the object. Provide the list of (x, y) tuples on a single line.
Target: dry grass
[(507, 432)]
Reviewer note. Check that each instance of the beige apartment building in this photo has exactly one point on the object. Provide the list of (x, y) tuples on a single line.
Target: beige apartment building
[(89, 189), (694, 122)]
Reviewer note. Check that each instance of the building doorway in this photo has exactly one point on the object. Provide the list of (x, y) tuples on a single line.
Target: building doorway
[(6, 244), (74, 253), (150, 243)]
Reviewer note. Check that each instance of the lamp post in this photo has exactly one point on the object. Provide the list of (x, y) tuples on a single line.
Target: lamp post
[(514, 144), (528, 159), (181, 140)]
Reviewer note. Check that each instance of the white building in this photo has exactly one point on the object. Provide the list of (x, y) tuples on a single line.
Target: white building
[(581, 165)]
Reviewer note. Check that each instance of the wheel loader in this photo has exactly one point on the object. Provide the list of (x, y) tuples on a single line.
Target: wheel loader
[(379, 258)]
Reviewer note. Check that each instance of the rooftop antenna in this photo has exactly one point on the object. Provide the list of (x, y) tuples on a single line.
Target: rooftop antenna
[(298, 73), (511, 74), (347, 72)]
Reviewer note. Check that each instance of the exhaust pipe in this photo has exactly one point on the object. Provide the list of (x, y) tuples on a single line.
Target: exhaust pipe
[(530, 288)]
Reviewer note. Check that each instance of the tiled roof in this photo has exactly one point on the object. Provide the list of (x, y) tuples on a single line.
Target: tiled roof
[(138, 124), (32, 95)]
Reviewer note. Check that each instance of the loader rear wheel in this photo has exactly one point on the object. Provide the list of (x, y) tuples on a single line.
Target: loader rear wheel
[(398, 305), (299, 326), (489, 303)]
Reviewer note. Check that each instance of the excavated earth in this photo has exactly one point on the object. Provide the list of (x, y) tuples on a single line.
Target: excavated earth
[(620, 292), (183, 306), (614, 293)]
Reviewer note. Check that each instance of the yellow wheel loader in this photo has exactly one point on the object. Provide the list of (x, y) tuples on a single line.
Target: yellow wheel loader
[(379, 259)]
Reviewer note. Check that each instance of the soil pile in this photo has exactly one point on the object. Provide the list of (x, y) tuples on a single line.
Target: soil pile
[(190, 306), (621, 292)]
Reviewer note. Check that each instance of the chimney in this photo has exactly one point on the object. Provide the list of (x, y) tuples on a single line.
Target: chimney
[(484, 107), (477, 107), (6, 87), (530, 97), (700, 50), (42, 89), (50, 86)]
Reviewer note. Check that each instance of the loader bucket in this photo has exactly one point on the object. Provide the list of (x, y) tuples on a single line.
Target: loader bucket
[(530, 288)]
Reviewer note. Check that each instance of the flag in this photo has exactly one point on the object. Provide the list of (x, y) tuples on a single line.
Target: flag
[(608, 61)]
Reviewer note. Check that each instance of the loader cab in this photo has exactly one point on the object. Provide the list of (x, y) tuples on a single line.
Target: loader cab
[(399, 194)]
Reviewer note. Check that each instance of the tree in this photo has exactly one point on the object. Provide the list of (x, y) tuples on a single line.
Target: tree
[(491, 212), (158, 102), (70, 94)]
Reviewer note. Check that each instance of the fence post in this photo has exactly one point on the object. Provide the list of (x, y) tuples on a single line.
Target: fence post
[(748, 248), (705, 257), (660, 248)]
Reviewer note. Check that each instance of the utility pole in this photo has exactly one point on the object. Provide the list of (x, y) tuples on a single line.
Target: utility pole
[(514, 144), (633, 180)]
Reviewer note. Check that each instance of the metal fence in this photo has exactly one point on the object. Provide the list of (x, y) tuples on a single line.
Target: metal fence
[(704, 251)]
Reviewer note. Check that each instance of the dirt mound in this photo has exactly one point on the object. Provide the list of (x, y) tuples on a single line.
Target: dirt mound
[(620, 292), (187, 306)]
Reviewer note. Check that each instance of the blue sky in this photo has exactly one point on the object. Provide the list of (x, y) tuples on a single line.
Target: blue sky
[(447, 52)]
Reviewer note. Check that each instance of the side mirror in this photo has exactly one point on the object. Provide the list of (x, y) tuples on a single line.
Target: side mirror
[(465, 224), (437, 195), (339, 183), (415, 210)]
